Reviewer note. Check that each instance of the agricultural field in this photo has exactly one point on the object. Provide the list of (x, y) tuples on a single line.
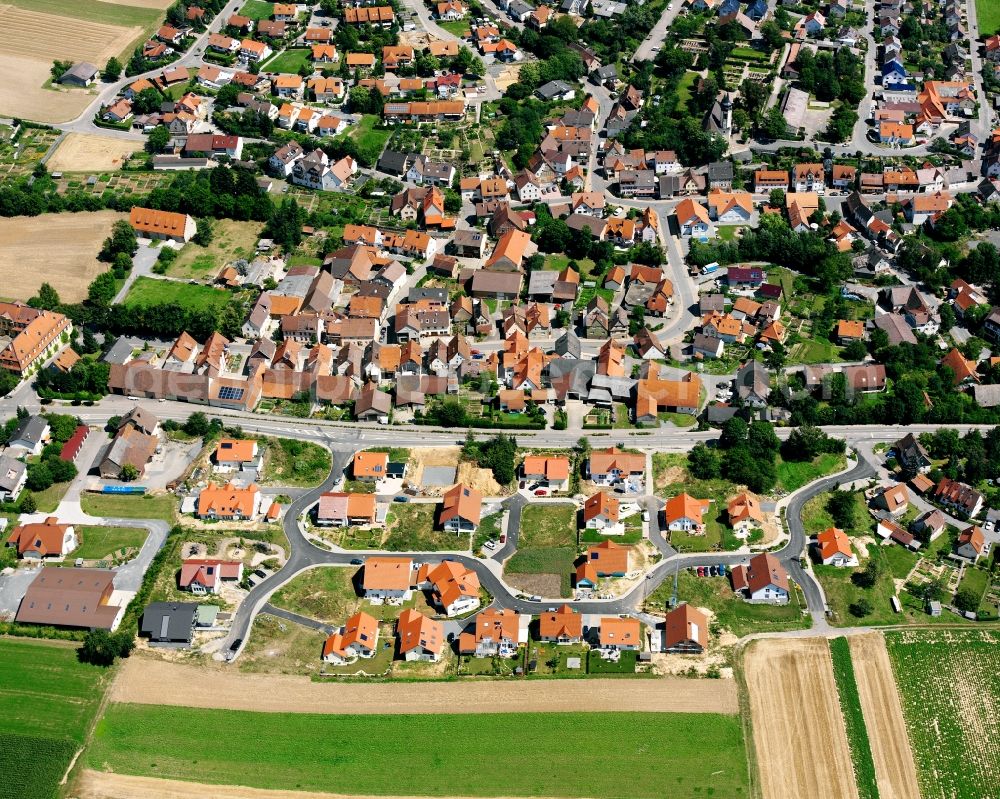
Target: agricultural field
[(895, 772), (72, 242), (231, 241), (32, 36), (782, 674), (148, 291), (729, 611), (47, 703), (546, 549), (87, 152), (854, 720), (949, 682), (284, 750)]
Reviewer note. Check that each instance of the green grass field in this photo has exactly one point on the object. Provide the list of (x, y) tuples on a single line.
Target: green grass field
[(99, 542), (125, 507), (148, 291), (792, 475), (643, 755), (547, 544), (370, 141), (988, 16), (47, 702), (456, 27), (288, 61), (257, 9), (949, 684), (323, 594), (413, 527), (731, 612), (105, 13), (295, 463), (854, 720)]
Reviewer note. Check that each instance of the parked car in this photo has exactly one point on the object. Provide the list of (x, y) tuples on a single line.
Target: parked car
[(356, 562), (541, 492), (491, 544), (400, 498), (645, 515), (503, 538), (722, 570), (701, 571)]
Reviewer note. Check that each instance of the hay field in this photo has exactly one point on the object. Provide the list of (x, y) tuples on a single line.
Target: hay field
[(86, 152), (30, 41), (798, 726), (159, 5), (60, 249)]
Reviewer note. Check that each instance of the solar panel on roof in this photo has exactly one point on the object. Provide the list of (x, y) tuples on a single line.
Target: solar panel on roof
[(231, 393)]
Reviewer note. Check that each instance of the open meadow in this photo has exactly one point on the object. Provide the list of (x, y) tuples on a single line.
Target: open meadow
[(47, 702), (554, 754), (148, 291), (949, 681), (33, 33), (86, 152), (58, 248)]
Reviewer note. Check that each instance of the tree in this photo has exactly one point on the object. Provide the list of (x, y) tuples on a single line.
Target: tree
[(967, 600), (39, 477), (734, 431), (122, 239), (205, 233), (128, 473), (47, 298), (197, 424), (843, 509), (861, 608), (112, 70), (27, 503), (146, 101), (868, 576), (102, 648), (102, 289), (158, 139), (774, 125), (285, 225), (703, 463)]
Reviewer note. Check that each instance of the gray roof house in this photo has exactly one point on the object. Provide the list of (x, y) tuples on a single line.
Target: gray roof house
[(168, 624), (80, 74), (568, 345), (753, 384), (30, 434), (555, 89), (13, 473)]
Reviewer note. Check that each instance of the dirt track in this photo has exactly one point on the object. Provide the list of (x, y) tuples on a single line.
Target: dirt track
[(798, 728), (154, 682), (98, 785), (894, 766)]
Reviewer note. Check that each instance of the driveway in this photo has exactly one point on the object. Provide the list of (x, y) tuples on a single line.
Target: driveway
[(13, 587)]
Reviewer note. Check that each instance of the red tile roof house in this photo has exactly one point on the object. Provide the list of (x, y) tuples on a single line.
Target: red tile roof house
[(685, 630), (620, 634), (607, 467), (420, 638), (551, 472), (763, 579), (42, 540), (835, 548), (357, 638), (684, 513), (971, 544), (600, 512), (207, 576), (563, 626), (455, 587), (461, 509), (388, 580), (496, 633)]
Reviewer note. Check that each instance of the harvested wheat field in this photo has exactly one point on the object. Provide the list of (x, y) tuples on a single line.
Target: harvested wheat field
[(155, 682), (88, 152), (895, 770), (798, 727), (102, 785), (60, 249), (159, 5), (30, 41)]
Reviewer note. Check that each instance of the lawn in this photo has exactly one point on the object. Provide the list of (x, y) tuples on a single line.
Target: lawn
[(370, 141), (685, 88), (257, 9), (816, 517), (489, 528), (976, 580), (587, 293), (548, 542), (412, 528), (325, 594), (100, 542), (48, 500), (854, 720), (598, 665), (841, 593), (541, 753), (949, 684), (47, 703), (295, 463), (456, 27), (121, 506), (731, 612), (727, 232), (792, 475), (148, 291), (988, 16), (289, 61), (231, 241)]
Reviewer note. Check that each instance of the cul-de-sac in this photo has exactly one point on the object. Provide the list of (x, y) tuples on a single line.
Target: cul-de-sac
[(500, 399)]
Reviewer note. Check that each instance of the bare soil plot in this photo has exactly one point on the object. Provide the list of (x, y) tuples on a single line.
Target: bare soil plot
[(798, 727), (87, 152), (102, 785), (62, 247), (154, 682), (894, 767)]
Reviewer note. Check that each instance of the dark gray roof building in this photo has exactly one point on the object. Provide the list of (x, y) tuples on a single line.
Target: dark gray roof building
[(168, 623)]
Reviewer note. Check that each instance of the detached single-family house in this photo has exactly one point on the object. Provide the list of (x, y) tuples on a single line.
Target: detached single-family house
[(461, 509), (207, 576), (620, 634), (684, 513), (358, 638), (763, 579), (420, 638), (41, 540), (496, 633), (562, 626), (454, 587), (387, 579), (685, 630), (834, 548)]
